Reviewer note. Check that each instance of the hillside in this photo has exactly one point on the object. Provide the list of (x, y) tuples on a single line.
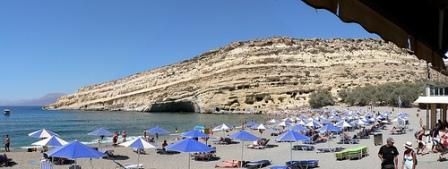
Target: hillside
[(260, 75)]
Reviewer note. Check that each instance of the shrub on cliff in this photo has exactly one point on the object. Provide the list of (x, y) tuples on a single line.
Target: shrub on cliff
[(321, 98)]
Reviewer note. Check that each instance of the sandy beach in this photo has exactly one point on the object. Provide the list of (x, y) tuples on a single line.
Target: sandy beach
[(278, 154)]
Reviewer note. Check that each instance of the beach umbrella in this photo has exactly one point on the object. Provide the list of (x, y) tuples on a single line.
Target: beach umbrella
[(260, 127), (158, 130), (298, 128), (53, 141), (199, 127), (243, 135), (100, 132), (222, 127), (301, 122), (272, 121), (194, 134), (42, 133), (291, 136), (331, 128), (284, 124), (75, 150), (313, 124), (138, 143), (189, 146)]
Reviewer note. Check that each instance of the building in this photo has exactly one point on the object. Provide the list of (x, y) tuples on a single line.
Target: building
[(435, 101)]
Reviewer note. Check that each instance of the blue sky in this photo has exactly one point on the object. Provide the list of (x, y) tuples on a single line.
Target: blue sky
[(59, 46)]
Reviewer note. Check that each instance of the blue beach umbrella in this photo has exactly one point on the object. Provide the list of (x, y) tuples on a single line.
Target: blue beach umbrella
[(291, 136), (100, 132), (194, 134), (299, 128), (243, 136), (158, 130), (331, 128), (189, 146), (42, 133), (75, 150)]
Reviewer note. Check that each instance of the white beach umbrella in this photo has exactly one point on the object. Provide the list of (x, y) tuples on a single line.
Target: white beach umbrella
[(138, 143), (272, 121), (42, 133), (345, 124), (261, 127), (301, 122), (284, 124), (53, 141), (222, 127), (360, 122)]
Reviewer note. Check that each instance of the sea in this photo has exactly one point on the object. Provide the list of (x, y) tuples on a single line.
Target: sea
[(74, 125)]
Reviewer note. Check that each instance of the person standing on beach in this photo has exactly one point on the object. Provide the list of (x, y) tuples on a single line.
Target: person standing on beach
[(123, 135), (389, 155), (409, 157), (7, 142)]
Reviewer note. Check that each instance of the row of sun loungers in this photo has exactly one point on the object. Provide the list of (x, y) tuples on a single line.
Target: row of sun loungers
[(302, 164), (352, 153), (246, 164)]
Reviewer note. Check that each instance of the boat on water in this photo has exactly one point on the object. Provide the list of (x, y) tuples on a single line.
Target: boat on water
[(6, 112)]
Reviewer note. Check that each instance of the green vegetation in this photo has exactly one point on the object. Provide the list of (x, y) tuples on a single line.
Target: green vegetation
[(321, 98), (385, 94)]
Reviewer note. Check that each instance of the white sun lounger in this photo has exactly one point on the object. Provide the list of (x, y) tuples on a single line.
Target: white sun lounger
[(133, 166), (45, 164)]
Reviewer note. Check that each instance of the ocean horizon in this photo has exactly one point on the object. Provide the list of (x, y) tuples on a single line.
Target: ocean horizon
[(74, 125)]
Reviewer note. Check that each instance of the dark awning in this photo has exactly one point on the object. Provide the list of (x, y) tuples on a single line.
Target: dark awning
[(420, 26)]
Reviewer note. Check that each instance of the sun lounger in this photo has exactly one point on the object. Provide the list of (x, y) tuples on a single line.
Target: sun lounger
[(303, 164), (352, 153), (140, 151), (229, 164), (303, 147), (257, 164), (327, 150), (4, 160), (280, 167), (45, 164), (204, 156), (74, 167), (166, 152), (133, 166)]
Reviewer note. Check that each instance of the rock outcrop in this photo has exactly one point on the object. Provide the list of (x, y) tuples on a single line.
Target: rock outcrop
[(260, 75)]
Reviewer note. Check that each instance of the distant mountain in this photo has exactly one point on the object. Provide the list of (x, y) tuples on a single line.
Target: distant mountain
[(41, 101)]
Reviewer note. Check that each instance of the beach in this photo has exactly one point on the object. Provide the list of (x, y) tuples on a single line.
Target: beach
[(278, 154)]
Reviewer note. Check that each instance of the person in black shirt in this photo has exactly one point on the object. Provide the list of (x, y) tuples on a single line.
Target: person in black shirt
[(389, 155)]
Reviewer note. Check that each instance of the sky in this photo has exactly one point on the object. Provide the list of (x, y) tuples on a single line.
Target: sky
[(59, 46)]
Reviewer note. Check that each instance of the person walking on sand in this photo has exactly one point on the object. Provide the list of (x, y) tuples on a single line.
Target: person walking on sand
[(389, 155), (7, 142), (409, 157)]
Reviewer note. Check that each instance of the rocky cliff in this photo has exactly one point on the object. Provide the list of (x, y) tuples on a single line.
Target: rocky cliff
[(259, 75)]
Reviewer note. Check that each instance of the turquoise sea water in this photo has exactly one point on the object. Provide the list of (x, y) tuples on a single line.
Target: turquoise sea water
[(71, 125)]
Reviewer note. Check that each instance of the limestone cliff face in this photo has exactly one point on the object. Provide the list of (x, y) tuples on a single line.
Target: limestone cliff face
[(260, 75)]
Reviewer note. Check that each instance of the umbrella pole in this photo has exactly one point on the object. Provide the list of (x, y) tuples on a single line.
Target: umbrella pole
[(290, 149), (138, 158), (188, 160), (242, 152)]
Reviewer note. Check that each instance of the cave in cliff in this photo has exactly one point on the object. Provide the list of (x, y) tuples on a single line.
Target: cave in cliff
[(181, 106)]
